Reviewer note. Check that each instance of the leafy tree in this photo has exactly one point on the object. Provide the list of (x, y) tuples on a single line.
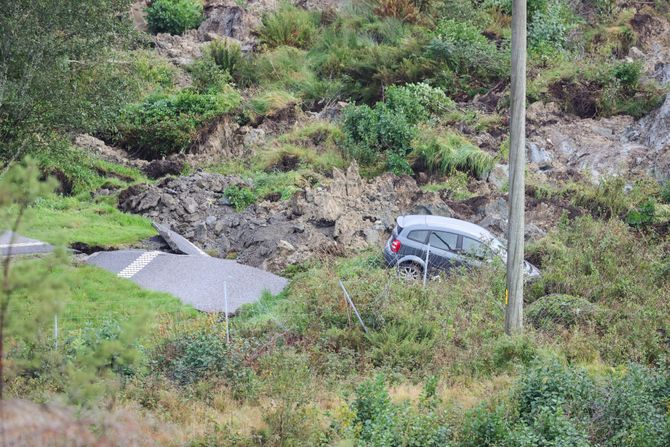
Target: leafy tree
[(56, 73), (21, 187)]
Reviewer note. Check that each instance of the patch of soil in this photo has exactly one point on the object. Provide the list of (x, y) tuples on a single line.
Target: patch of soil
[(576, 97), (160, 168), (287, 162), (88, 249), (65, 185)]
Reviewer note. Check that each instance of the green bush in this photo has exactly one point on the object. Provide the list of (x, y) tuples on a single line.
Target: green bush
[(208, 76), (167, 123), (240, 197), (643, 215), (446, 153), (551, 24), (174, 16), (418, 102), (665, 192), (468, 53), (189, 358), (406, 344), (290, 26), (371, 134), (628, 73), (227, 55), (380, 422), (513, 350), (561, 310)]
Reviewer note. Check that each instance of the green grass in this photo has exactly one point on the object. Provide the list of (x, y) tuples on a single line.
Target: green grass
[(93, 296), (66, 220), (450, 152)]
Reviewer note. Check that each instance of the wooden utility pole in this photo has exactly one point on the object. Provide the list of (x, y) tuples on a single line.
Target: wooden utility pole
[(517, 162)]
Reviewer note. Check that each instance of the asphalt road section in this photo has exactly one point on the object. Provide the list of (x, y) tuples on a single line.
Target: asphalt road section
[(21, 245), (177, 242), (196, 280)]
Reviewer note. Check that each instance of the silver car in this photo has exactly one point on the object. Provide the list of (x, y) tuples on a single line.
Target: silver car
[(446, 243)]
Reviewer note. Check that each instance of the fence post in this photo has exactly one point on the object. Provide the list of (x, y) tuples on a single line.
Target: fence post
[(351, 303), (55, 331), (425, 267), (225, 304)]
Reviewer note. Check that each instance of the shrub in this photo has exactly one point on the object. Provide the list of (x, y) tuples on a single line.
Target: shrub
[(550, 24), (418, 102), (450, 152), (665, 192), (643, 215), (509, 350), (189, 358), (380, 422), (227, 54), (549, 385), (374, 133), (628, 73), (561, 310), (167, 123), (208, 77), (406, 344), (467, 52), (290, 26), (174, 16), (240, 197)]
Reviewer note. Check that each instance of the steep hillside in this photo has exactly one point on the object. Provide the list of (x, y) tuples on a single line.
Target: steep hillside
[(289, 136)]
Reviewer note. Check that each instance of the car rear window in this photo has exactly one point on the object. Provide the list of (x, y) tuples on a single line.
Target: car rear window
[(418, 235)]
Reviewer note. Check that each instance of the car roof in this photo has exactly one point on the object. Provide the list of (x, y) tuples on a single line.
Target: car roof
[(447, 223)]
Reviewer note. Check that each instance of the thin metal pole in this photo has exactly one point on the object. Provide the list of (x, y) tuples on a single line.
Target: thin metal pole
[(517, 162), (225, 304), (425, 267), (55, 331), (351, 303)]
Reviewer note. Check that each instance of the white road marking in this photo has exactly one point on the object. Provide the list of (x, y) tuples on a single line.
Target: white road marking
[(22, 244), (138, 264)]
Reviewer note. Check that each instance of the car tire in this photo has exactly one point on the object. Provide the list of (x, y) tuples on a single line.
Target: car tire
[(410, 271)]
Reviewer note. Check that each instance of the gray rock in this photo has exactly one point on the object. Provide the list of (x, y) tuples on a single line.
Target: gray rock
[(254, 138), (190, 205), (499, 176), (538, 155), (210, 221)]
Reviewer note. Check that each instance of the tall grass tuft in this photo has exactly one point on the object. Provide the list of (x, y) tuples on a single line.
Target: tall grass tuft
[(450, 152), (290, 26)]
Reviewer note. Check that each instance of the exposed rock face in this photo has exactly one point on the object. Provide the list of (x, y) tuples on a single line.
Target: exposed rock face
[(654, 132), (180, 50), (98, 148), (560, 144), (346, 215)]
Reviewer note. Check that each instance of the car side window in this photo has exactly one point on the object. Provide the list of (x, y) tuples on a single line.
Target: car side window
[(475, 248), (443, 240), (418, 236)]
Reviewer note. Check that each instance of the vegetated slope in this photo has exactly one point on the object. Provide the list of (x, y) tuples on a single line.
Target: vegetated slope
[(416, 93)]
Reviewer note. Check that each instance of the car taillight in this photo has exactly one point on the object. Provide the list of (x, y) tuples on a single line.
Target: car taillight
[(395, 246)]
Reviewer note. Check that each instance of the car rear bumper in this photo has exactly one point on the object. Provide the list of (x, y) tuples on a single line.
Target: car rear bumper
[(390, 257)]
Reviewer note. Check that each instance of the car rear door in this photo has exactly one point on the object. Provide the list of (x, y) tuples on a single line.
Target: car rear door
[(443, 250)]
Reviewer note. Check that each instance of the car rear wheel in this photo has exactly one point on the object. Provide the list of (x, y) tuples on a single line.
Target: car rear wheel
[(410, 271)]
